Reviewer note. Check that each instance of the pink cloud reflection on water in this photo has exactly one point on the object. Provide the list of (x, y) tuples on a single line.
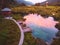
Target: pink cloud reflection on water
[(40, 21), (43, 28)]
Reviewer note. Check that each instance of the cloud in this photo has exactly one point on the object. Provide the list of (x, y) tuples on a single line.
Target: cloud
[(25, 2)]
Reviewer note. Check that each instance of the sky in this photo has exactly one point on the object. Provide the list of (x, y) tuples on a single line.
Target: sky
[(30, 2), (35, 1)]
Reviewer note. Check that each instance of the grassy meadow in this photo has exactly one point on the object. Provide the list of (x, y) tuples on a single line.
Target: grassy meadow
[(9, 32)]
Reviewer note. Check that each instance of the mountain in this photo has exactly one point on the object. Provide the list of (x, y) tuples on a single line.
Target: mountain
[(25, 2), (51, 2)]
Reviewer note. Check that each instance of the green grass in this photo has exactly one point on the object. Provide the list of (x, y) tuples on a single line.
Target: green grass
[(37, 9), (29, 40), (9, 32), (45, 11)]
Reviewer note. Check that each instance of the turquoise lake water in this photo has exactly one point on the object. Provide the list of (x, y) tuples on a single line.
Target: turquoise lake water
[(44, 33)]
